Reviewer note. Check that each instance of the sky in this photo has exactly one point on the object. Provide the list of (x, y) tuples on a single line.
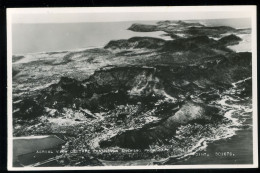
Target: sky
[(77, 15)]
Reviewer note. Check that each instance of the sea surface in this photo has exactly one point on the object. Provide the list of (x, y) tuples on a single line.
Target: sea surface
[(47, 37)]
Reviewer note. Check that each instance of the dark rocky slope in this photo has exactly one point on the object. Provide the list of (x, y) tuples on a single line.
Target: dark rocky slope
[(230, 40), (136, 43), (190, 112), (180, 44)]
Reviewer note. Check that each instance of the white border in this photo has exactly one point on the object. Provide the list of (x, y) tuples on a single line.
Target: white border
[(251, 11)]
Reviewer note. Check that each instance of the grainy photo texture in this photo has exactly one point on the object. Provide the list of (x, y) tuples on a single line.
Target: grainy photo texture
[(101, 88)]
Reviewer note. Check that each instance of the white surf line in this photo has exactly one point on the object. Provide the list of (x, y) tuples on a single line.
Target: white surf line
[(240, 81), (201, 144), (232, 108), (31, 137), (228, 115), (227, 98)]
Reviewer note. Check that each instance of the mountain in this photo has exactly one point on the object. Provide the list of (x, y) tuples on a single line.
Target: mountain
[(186, 29), (230, 40), (112, 86), (143, 28), (135, 43)]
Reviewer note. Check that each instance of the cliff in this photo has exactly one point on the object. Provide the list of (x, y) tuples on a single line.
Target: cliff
[(124, 85)]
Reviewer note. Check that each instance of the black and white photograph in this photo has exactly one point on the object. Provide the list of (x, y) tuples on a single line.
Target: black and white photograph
[(132, 88)]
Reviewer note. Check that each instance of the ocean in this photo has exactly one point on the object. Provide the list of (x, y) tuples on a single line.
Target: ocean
[(48, 37)]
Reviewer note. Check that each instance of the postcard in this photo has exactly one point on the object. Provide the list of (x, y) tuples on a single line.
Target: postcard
[(132, 88)]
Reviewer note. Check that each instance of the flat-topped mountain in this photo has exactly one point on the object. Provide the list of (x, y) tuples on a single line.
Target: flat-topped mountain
[(108, 87)]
